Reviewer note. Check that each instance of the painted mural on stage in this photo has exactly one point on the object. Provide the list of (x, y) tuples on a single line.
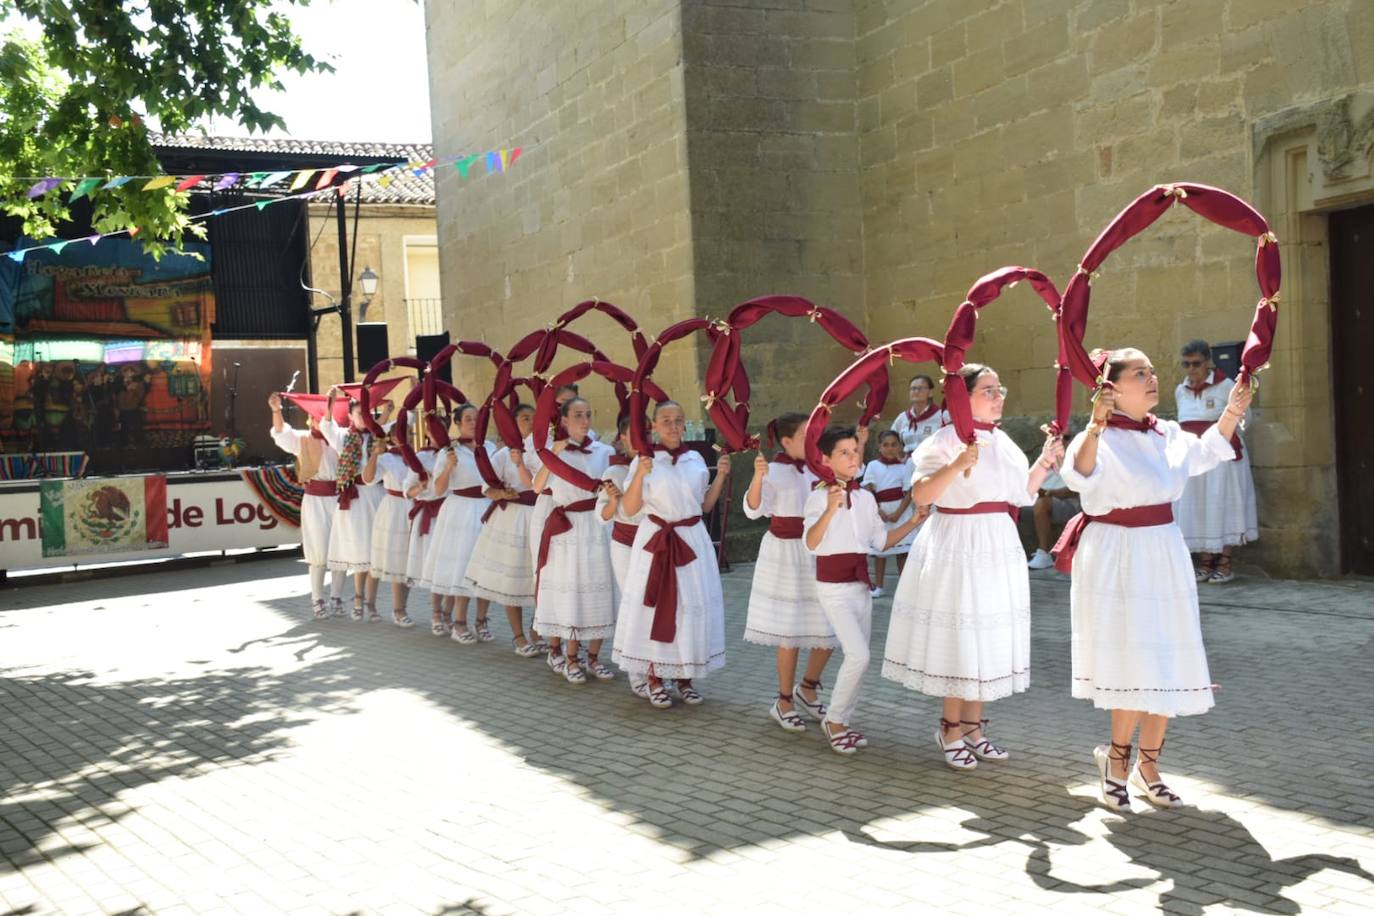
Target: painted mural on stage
[(102, 347)]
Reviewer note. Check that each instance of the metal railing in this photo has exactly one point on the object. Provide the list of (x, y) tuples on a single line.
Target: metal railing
[(426, 316)]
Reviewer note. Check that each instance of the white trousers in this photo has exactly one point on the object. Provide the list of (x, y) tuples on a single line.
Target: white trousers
[(849, 608)]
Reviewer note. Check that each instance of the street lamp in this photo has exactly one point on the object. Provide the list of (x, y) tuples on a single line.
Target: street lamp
[(368, 281)]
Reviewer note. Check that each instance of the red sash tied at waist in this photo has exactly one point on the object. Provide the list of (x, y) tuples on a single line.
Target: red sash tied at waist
[(557, 523), (991, 508), (624, 533), (843, 567), (469, 492), (321, 488), (396, 493), (890, 495), (1198, 427), (1134, 517), (428, 510), (346, 495), (524, 498), (786, 527), (660, 592)]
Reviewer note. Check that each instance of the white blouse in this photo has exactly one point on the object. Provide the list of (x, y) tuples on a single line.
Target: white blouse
[(428, 460), (881, 476), (674, 491), (289, 440), (857, 529), (785, 492), (1000, 475), (1205, 406), (913, 434), (1142, 469), (593, 465)]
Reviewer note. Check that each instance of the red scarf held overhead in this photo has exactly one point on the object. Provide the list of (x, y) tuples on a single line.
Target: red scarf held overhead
[(798, 464), (674, 453), (1197, 390), (660, 591)]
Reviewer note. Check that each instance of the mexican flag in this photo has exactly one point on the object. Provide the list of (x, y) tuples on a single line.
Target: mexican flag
[(114, 515)]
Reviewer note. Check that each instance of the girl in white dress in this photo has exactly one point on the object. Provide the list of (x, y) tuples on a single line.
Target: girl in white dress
[(961, 615), (784, 609), (1137, 640), (390, 526), (350, 533), (672, 617), (457, 528), (1217, 510), (574, 584), (427, 499), (623, 527), (888, 478), (318, 465), (500, 569), (920, 420)]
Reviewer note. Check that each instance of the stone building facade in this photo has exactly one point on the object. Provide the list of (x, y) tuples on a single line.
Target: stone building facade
[(877, 157)]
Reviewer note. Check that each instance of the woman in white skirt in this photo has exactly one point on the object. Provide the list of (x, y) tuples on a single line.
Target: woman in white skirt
[(671, 624), (784, 609), (317, 465), (922, 418), (457, 528), (350, 533), (1137, 639), (574, 585), (543, 502), (888, 478), (623, 527), (500, 569), (1217, 510), (960, 624), (390, 526), (427, 499)]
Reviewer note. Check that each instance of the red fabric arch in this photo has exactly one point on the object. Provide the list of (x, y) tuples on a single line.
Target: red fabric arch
[(639, 433)]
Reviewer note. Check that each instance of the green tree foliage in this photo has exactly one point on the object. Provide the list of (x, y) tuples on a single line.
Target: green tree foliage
[(76, 99)]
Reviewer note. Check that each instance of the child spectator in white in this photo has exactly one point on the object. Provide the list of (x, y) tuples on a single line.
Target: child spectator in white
[(888, 478), (842, 528)]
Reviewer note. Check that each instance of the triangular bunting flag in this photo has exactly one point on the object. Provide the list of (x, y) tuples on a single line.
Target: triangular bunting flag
[(133, 231), (17, 255), (301, 178), (160, 181), (325, 178), (464, 164), (505, 159), (386, 180), (86, 186), (43, 186), (93, 238), (515, 154), (226, 181), (118, 181), (273, 179), (493, 162), (58, 246), (189, 182), (261, 203)]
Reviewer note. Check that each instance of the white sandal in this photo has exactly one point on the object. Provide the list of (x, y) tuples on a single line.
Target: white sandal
[(321, 609), (358, 613), (983, 749), (401, 619), (461, 634), (958, 756), (528, 650), (1156, 793), (846, 742), (598, 670), (690, 695), (484, 633), (659, 698), (372, 615), (789, 721), (1110, 790), (815, 710)]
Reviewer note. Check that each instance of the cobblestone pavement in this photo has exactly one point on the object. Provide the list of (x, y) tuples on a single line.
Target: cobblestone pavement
[(191, 742)]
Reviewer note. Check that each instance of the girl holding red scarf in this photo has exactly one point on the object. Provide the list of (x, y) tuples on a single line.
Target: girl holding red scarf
[(1137, 640), (390, 525), (784, 609), (888, 478), (501, 569), (457, 528), (574, 585), (428, 498), (960, 625), (671, 624), (350, 534)]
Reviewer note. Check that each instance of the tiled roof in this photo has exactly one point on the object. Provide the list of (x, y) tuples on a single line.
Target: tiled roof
[(405, 187)]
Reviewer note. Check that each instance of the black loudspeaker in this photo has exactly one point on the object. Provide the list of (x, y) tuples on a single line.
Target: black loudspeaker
[(372, 345), (427, 346)]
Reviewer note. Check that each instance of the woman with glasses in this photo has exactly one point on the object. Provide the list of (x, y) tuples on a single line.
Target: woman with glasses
[(919, 421), (961, 614), (1217, 509), (1137, 641)]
